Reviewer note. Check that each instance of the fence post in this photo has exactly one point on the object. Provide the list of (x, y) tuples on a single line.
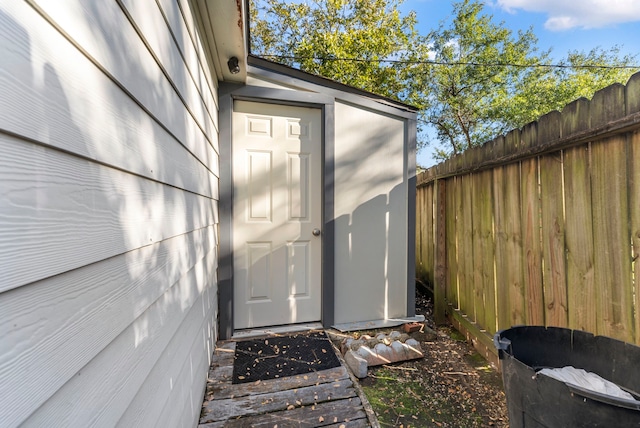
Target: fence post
[(440, 253)]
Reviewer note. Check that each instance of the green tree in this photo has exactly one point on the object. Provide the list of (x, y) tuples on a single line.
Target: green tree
[(579, 75), (344, 40), (472, 78), (484, 80), (469, 89)]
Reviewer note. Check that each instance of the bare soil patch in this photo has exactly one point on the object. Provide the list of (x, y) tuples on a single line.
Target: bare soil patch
[(452, 386)]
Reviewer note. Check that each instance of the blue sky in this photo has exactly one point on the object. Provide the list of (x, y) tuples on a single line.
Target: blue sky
[(563, 25)]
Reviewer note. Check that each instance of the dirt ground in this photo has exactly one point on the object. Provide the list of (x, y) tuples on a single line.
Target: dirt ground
[(452, 386)]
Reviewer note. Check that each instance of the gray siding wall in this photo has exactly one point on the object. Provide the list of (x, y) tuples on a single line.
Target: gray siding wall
[(371, 215), (108, 213)]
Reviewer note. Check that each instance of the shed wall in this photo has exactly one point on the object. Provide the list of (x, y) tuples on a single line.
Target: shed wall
[(108, 213), (371, 203), (254, 81), (371, 215)]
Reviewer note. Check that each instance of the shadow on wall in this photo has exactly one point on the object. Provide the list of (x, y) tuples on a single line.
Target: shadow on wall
[(371, 215), (371, 265), (108, 256)]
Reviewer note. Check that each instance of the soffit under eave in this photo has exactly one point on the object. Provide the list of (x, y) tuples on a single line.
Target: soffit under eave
[(224, 25)]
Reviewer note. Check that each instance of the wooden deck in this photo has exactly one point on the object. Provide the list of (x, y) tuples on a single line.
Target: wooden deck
[(328, 398)]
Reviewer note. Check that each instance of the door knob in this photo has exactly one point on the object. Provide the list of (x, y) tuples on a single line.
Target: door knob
[(316, 232)]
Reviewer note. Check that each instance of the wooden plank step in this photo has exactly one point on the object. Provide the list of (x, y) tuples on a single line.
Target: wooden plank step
[(229, 408), (358, 423), (347, 413), (223, 355), (221, 368), (220, 375), (217, 390)]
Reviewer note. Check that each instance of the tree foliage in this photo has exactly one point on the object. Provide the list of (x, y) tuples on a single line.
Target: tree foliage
[(574, 79), (472, 78), (468, 100), (326, 37)]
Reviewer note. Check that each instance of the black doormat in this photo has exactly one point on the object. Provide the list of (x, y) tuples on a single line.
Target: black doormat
[(276, 357)]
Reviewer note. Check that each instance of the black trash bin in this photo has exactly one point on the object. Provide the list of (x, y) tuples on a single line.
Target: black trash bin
[(540, 401)]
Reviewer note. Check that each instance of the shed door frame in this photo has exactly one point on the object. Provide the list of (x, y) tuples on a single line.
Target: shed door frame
[(277, 217), (227, 94)]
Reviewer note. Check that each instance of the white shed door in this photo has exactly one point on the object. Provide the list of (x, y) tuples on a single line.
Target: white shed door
[(277, 214)]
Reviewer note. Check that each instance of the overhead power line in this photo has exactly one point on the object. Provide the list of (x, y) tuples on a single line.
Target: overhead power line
[(448, 64)]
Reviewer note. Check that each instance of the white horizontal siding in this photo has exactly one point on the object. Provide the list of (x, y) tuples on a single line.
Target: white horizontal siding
[(105, 34), (59, 212), (183, 395), (123, 366), (46, 99), (108, 213), (153, 397), (153, 31), (63, 318), (188, 40), (152, 28)]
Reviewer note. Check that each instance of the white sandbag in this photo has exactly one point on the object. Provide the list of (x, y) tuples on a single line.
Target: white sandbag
[(586, 380)]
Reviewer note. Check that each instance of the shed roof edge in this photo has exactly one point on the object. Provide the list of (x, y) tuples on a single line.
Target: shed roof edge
[(292, 72)]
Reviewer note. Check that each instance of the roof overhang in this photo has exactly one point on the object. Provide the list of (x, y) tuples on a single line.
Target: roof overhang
[(224, 25), (295, 77)]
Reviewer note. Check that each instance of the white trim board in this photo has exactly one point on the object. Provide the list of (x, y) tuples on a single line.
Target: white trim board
[(269, 331), (371, 325)]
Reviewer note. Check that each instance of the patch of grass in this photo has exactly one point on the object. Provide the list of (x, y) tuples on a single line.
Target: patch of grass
[(487, 373), (400, 401), (478, 361), (397, 400), (456, 335)]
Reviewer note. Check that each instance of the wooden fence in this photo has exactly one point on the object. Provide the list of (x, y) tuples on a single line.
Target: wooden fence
[(540, 226)]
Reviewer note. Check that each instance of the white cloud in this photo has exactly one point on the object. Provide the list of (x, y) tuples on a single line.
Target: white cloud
[(566, 14)]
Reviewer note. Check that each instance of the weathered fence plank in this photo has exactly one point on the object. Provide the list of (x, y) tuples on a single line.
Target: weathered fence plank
[(634, 204), (488, 251), (421, 225), (611, 239), (428, 232), (466, 247), (461, 253), (607, 105), (513, 230), (478, 202), (484, 252), (502, 252), (453, 190), (424, 229), (549, 128), (576, 117), (579, 240), (553, 273), (632, 95), (531, 243), (632, 98), (440, 254), (529, 136), (512, 142)]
